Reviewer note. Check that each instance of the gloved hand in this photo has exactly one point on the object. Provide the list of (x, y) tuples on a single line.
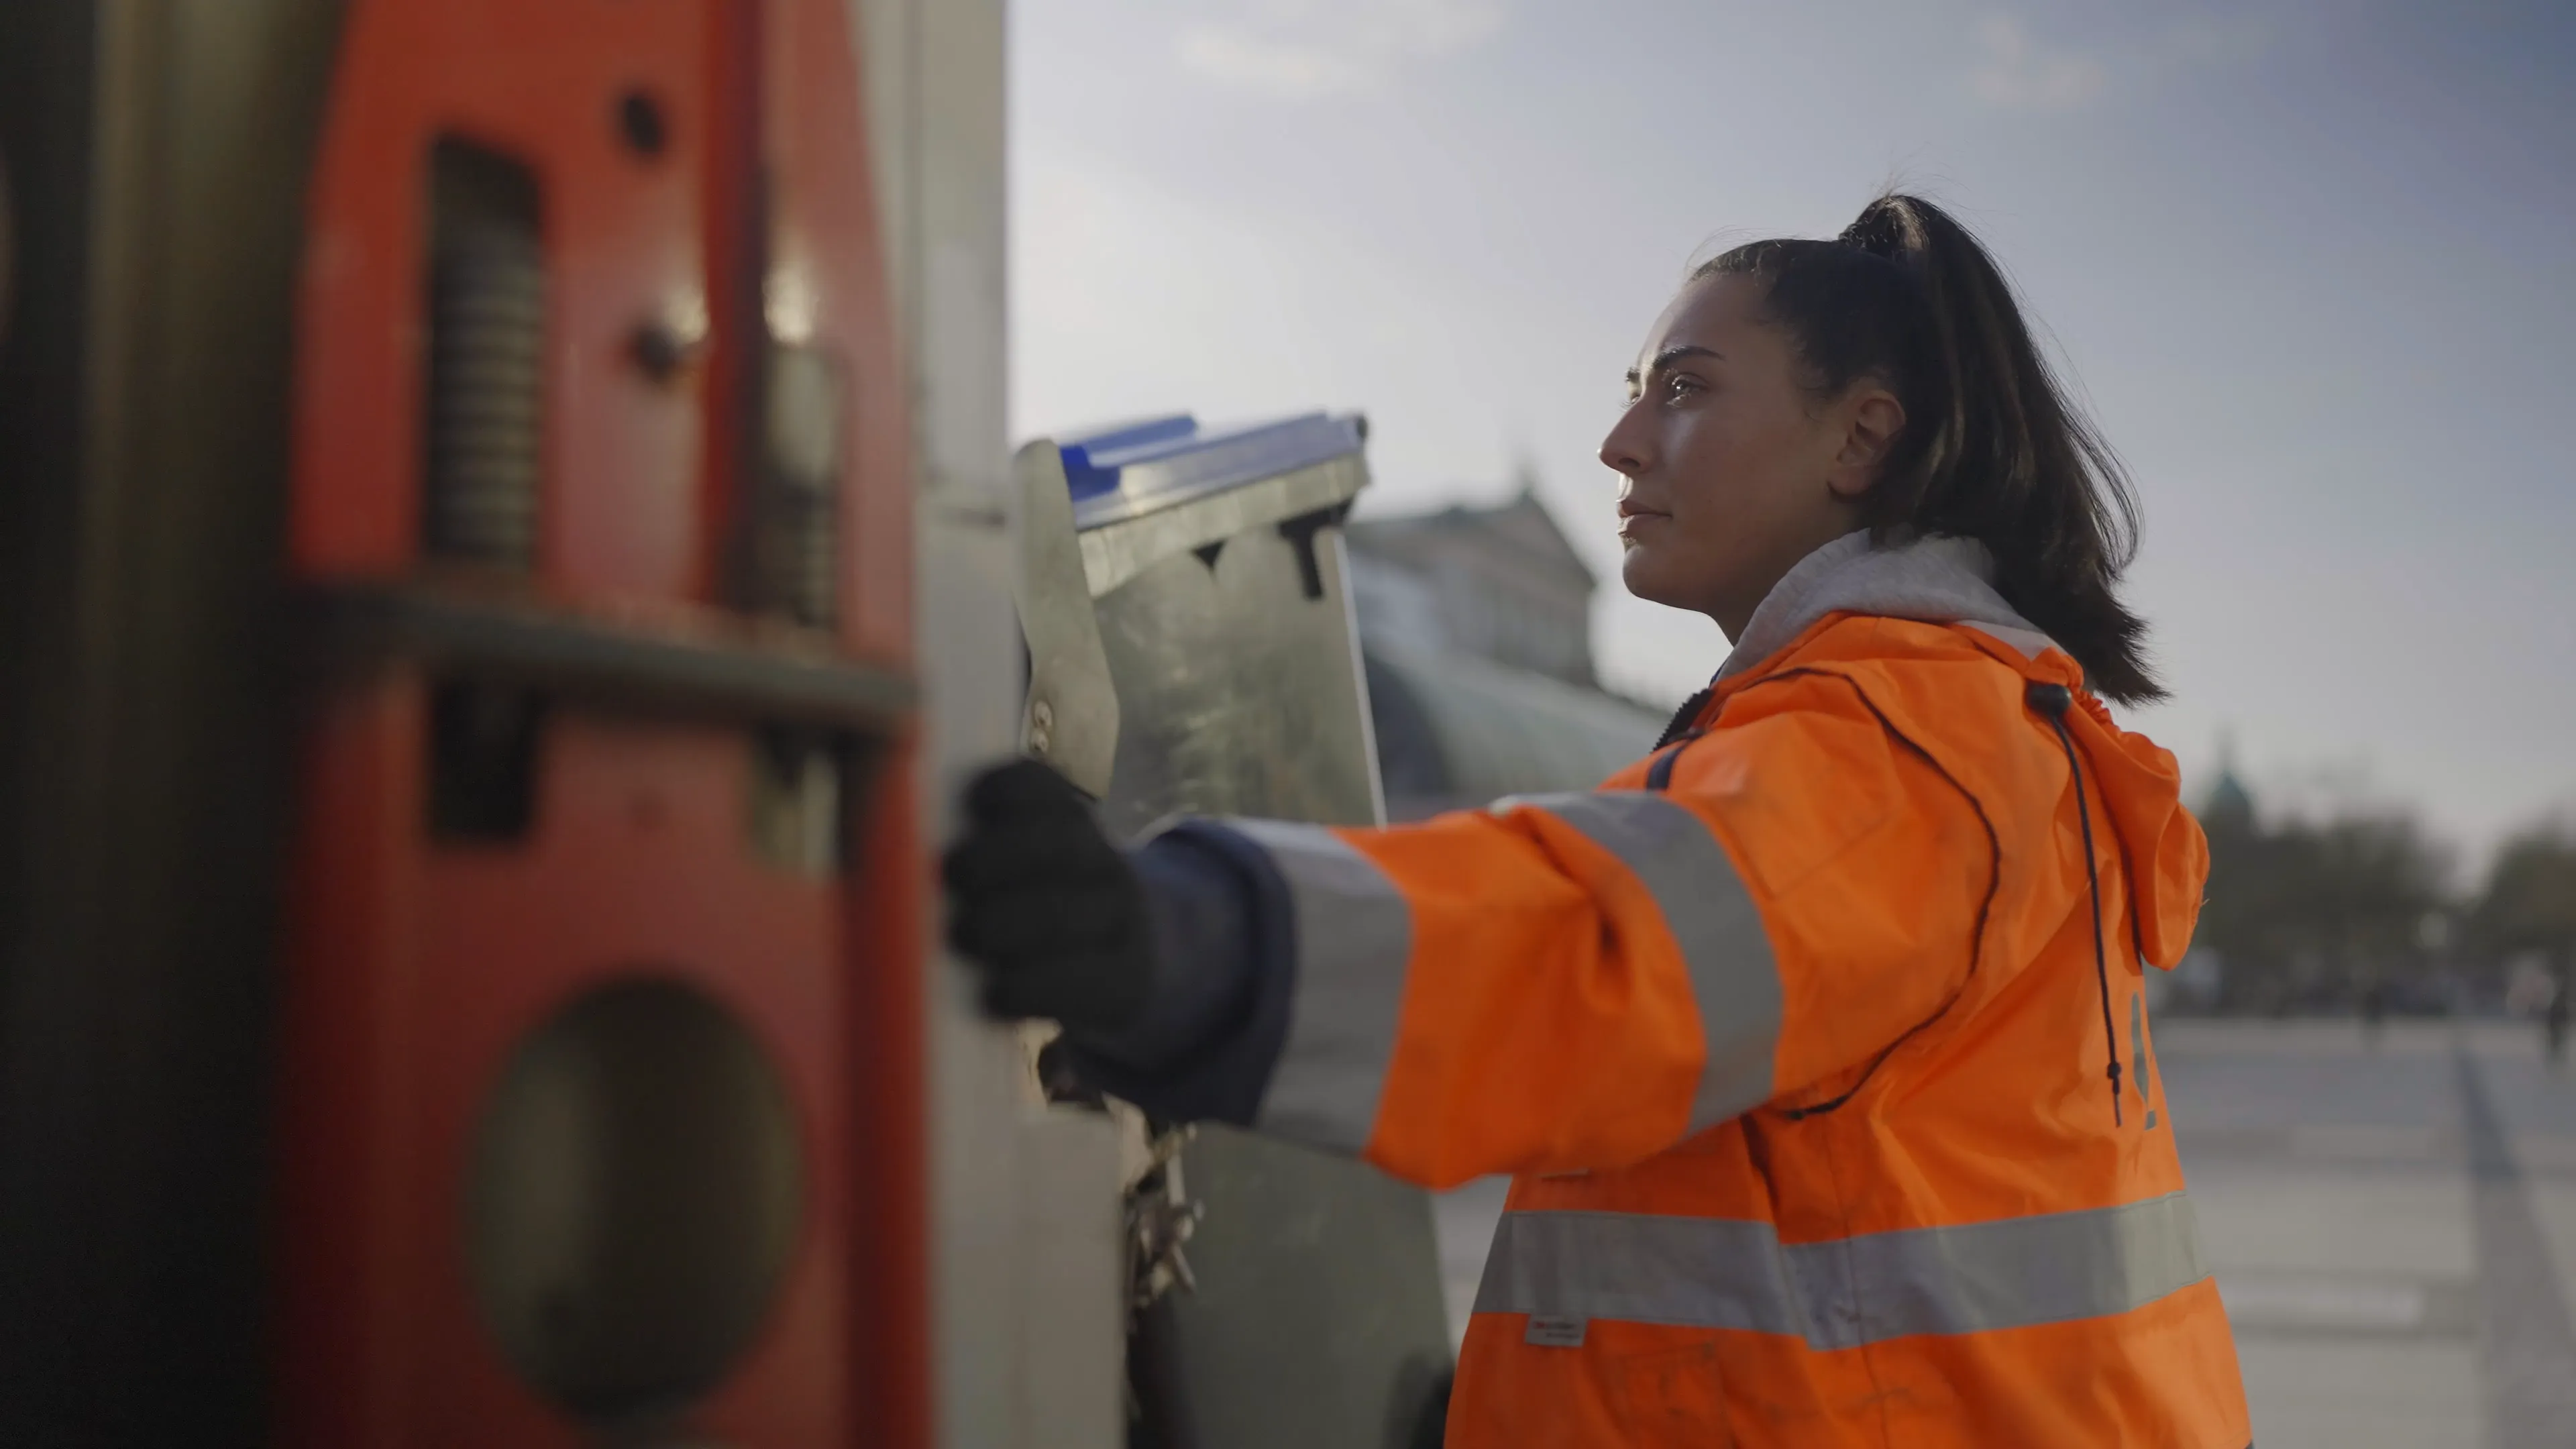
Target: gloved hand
[(1046, 905)]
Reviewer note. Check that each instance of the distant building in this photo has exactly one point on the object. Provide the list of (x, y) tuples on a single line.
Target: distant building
[(1476, 625), (2231, 805), (1500, 584)]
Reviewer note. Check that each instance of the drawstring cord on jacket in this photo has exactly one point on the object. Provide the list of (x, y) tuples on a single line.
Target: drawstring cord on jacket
[(2053, 701)]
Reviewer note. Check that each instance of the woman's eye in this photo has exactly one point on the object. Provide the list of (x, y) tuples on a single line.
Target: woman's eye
[(1677, 386)]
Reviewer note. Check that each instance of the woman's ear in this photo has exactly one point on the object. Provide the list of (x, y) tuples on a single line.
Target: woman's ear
[(1872, 418)]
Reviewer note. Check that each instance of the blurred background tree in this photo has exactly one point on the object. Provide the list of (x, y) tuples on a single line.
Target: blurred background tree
[(2309, 914), (2529, 905)]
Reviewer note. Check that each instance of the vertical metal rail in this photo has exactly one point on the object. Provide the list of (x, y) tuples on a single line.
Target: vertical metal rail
[(1027, 1269), (158, 152)]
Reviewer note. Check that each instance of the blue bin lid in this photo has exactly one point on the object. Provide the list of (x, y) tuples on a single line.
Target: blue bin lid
[(1120, 472)]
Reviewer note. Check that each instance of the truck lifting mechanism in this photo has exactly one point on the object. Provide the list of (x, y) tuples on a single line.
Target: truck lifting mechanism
[(477, 911), (508, 551)]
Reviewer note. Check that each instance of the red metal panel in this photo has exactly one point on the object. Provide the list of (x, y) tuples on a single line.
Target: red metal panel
[(541, 83), (417, 965), (825, 232)]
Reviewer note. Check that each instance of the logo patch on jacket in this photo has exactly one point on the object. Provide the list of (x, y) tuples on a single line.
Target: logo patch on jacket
[(1547, 1330)]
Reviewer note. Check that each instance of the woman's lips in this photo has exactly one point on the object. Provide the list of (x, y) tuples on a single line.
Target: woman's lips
[(1634, 521)]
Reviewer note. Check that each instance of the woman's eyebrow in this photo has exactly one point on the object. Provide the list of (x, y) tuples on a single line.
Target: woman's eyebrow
[(1673, 354)]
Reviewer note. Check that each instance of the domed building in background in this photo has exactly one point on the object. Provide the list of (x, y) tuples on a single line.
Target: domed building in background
[(2230, 804), (1476, 627)]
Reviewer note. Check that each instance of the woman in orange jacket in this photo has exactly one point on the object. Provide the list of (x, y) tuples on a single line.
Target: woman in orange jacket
[(1815, 1041)]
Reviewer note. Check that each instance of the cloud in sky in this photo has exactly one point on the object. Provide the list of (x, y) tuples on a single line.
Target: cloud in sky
[(2017, 71), (1298, 49)]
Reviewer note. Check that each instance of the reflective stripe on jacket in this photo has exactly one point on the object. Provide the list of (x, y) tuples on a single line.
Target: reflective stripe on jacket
[(1800, 1060)]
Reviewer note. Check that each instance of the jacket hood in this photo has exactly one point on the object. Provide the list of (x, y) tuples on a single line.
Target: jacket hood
[(1944, 580), (1937, 580), (2162, 849)]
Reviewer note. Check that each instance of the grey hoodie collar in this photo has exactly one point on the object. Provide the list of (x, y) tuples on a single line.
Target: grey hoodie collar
[(1938, 580)]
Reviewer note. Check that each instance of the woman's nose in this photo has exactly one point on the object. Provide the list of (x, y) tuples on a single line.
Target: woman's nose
[(1625, 450)]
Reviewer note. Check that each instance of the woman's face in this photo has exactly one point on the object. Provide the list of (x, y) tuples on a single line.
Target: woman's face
[(1732, 471)]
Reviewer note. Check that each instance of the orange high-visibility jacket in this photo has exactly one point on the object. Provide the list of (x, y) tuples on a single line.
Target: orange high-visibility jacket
[(1797, 1043)]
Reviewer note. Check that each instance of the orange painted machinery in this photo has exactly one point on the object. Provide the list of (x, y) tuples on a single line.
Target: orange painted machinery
[(566, 1013)]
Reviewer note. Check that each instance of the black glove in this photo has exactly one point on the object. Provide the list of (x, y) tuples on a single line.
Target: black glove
[(1040, 898)]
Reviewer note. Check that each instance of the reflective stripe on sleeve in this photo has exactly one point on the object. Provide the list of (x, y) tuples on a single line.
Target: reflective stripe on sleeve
[(1354, 933), (1713, 921), (1728, 1273)]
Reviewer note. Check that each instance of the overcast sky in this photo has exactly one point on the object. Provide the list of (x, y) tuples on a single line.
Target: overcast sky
[(2311, 262)]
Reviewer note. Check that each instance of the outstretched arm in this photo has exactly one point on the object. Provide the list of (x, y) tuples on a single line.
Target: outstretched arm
[(1555, 983)]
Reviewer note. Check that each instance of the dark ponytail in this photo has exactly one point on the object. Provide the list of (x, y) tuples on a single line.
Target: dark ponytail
[(1992, 449)]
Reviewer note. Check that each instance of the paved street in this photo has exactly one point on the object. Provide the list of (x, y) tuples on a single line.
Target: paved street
[(2394, 1230)]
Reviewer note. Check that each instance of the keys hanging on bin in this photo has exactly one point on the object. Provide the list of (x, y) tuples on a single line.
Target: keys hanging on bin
[(1160, 1219)]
